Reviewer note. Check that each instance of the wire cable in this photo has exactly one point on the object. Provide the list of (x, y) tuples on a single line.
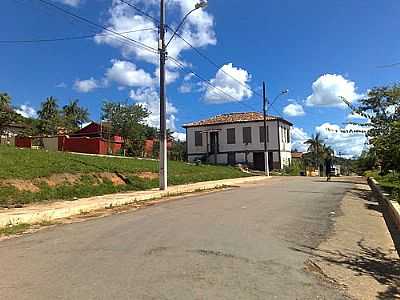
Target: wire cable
[(219, 67), (142, 12), (83, 19), (204, 56), (70, 38), (209, 83)]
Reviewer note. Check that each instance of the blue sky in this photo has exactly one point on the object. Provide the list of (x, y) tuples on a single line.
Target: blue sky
[(319, 50)]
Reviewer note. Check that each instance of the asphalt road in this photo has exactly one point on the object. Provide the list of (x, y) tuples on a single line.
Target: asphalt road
[(234, 244)]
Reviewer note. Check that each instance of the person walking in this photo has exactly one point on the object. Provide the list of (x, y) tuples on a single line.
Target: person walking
[(328, 168)]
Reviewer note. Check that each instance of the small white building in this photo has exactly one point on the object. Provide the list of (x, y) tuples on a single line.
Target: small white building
[(239, 138)]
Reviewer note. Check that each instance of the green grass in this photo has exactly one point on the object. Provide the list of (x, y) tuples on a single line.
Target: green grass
[(390, 182), (15, 229), (30, 164)]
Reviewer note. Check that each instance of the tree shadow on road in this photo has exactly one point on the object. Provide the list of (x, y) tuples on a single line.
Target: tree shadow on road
[(367, 261)]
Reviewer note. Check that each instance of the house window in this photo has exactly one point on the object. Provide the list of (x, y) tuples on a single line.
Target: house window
[(246, 135), (262, 134), (198, 138), (288, 135), (231, 138)]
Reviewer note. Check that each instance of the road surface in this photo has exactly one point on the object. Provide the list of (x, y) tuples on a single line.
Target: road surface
[(233, 244)]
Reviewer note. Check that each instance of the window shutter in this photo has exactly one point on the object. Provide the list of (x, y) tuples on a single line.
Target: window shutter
[(231, 138), (247, 135), (198, 138)]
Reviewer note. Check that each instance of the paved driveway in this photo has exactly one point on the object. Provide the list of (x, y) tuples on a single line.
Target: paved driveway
[(234, 244)]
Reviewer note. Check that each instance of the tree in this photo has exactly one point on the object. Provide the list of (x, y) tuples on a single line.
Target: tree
[(327, 152), (49, 116), (382, 108), (74, 116), (315, 147), (7, 114), (127, 120)]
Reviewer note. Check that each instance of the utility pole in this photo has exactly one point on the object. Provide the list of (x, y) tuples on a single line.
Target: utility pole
[(163, 123), (265, 109)]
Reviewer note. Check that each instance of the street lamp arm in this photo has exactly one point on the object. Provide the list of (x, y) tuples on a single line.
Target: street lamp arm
[(278, 96), (180, 25)]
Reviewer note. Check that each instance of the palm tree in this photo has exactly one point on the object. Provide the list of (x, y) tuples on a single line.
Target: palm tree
[(327, 152), (315, 147), (49, 115), (74, 115)]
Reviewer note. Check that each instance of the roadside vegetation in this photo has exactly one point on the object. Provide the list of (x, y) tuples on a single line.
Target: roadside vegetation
[(381, 109), (28, 176)]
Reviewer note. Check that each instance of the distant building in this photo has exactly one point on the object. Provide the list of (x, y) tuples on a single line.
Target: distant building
[(297, 155), (10, 132), (94, 138), (239, 138)]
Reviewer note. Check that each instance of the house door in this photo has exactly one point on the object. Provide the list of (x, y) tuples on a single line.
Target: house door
[(231, 158), (259, 160), (214, 142)]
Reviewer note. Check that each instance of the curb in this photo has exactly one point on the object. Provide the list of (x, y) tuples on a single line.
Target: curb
[(392, 207), (58, 210)]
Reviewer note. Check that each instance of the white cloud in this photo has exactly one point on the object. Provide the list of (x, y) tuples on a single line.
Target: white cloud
[(328, 89), (170, 76), (348, 144), (198, 29), (86, 86), (26, 111), (126, 73), (299, 136), (179, 136), (294, 110), (238, 89), (150, 99), (185, 88), (73, 3)]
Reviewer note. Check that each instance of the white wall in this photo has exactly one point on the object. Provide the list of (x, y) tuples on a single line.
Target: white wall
[(239, 145), (275, 133), (50, 143)]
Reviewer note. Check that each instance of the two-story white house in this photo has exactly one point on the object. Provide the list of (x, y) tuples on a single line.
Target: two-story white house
[(239, 138)]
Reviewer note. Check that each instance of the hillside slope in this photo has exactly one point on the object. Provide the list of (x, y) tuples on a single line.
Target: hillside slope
[(34, 175)]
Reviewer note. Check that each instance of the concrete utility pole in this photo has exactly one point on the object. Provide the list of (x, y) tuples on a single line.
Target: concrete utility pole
[(163, 120), (265, 109), (162, 48)]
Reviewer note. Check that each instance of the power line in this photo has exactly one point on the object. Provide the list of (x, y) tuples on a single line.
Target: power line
[(152, 49), (142, 12), (389, 66), (69, 38), (203, 55), (201, 78), (200, 53), (83, 19)]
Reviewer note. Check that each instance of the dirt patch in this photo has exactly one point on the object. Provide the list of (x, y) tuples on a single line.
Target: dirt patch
[(147, 175), (60, 179), (21, 185), (114, 178)]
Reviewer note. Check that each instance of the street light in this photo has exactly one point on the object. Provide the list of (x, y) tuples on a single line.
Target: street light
[(265, 106), (163, 121), (200, 5)]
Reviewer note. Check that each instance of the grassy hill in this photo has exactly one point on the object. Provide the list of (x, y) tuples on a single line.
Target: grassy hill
[(34, 175)]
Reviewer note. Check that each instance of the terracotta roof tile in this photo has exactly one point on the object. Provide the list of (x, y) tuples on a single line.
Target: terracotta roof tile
[(234, 118)]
